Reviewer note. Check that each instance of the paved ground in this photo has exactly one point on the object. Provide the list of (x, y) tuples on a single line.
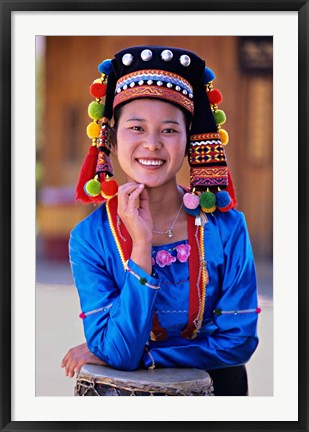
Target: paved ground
[(56, 292)]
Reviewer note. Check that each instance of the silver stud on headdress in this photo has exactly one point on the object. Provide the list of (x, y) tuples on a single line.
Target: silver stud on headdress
[(185, 60), (127, 59), (146, 55), (166, 55)]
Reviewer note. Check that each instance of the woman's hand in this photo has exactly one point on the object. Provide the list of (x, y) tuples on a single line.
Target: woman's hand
[(138, 221), (78, 356)]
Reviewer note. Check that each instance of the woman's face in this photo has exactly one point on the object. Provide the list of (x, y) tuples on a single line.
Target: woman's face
[(151, 141)]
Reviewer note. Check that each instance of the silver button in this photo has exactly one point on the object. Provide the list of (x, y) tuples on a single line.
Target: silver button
[(127, 59), (167, 55), (185, 60), (146, 55)]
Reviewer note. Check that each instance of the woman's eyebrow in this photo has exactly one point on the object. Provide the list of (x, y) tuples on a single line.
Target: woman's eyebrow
[(142, 120), (171, 121), (135, 119)]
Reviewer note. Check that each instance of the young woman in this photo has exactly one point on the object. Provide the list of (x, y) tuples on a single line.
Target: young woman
[(165, 275)]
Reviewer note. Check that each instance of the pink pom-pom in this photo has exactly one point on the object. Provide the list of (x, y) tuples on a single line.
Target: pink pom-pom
[(258, 310), (82, 315), (191, 201)]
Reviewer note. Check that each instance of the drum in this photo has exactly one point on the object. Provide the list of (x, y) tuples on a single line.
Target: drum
[(94, 380)]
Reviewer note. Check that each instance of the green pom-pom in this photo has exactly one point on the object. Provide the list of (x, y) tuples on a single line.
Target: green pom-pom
[(218, 312), (93, 188), (207, 200), (142, 281), (220, 117), (95, 110)]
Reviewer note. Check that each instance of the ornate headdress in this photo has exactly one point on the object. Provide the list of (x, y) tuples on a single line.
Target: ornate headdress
[(177, 76)]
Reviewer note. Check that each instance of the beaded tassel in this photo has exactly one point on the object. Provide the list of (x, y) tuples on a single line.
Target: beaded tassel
[(95, 183)]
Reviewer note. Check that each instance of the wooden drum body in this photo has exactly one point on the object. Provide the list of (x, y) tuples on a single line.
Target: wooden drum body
[(93, 380)]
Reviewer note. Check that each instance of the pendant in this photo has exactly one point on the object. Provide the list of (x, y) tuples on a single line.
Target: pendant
[(170, 233)]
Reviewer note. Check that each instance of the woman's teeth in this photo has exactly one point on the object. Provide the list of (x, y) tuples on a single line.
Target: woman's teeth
[(150, 162)]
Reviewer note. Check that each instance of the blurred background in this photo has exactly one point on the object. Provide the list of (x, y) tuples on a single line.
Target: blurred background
[(65, 68)]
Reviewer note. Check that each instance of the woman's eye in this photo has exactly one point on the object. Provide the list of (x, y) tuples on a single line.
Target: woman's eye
[(169, 131), (136, 128)]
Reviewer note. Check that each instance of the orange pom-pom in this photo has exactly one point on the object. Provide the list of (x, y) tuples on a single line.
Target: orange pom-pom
[(224, 136), (209, 210), (109, 188)]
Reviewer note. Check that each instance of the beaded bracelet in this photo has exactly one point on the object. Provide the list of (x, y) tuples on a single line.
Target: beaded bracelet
[(142, 280), (83, 315)]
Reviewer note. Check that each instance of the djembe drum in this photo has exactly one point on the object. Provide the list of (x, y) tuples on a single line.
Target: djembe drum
[(94, 380)]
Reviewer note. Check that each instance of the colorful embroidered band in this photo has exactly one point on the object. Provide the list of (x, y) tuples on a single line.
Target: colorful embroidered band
[(157, 84), (207, 161)]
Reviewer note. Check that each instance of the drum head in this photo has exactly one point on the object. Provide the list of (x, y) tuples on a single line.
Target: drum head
[(165, 381)]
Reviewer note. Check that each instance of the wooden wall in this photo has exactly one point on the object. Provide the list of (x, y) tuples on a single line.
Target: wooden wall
[(71, 66)]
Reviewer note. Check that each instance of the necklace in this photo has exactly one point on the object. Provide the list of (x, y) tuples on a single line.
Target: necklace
[(169, 232)]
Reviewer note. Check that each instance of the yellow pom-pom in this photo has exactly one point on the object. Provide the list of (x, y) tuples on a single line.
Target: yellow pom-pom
[(93, 130), (224, 136)]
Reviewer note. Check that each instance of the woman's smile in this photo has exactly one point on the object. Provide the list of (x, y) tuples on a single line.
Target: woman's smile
[(150, 163)]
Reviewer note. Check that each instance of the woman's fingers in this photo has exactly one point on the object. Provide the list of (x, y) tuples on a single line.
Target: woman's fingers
[(144, 200), (76, 357), (127, 196)]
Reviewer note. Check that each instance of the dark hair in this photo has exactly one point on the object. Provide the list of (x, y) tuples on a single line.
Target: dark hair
[(118, 111)]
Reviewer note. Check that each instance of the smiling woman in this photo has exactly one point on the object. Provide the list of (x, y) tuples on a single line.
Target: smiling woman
[(165, 275)]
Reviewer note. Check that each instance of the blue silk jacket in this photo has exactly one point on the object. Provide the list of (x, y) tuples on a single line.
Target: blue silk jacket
[(118, 301)]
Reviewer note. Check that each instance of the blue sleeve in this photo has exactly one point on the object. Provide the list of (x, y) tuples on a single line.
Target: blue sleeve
[(117, 316), (229, 337)]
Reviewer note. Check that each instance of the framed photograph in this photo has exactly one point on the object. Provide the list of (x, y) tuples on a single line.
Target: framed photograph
[(271, 39)]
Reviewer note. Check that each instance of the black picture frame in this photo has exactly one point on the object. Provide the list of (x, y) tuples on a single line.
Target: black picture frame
[(7, 7)]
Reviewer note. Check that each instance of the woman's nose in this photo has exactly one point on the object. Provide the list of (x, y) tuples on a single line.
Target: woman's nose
[(152, 142)]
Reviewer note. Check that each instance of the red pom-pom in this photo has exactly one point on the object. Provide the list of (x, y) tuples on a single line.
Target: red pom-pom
[(215, 96), (258, 310), (82, 315), (98, 90), (109, 188)]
